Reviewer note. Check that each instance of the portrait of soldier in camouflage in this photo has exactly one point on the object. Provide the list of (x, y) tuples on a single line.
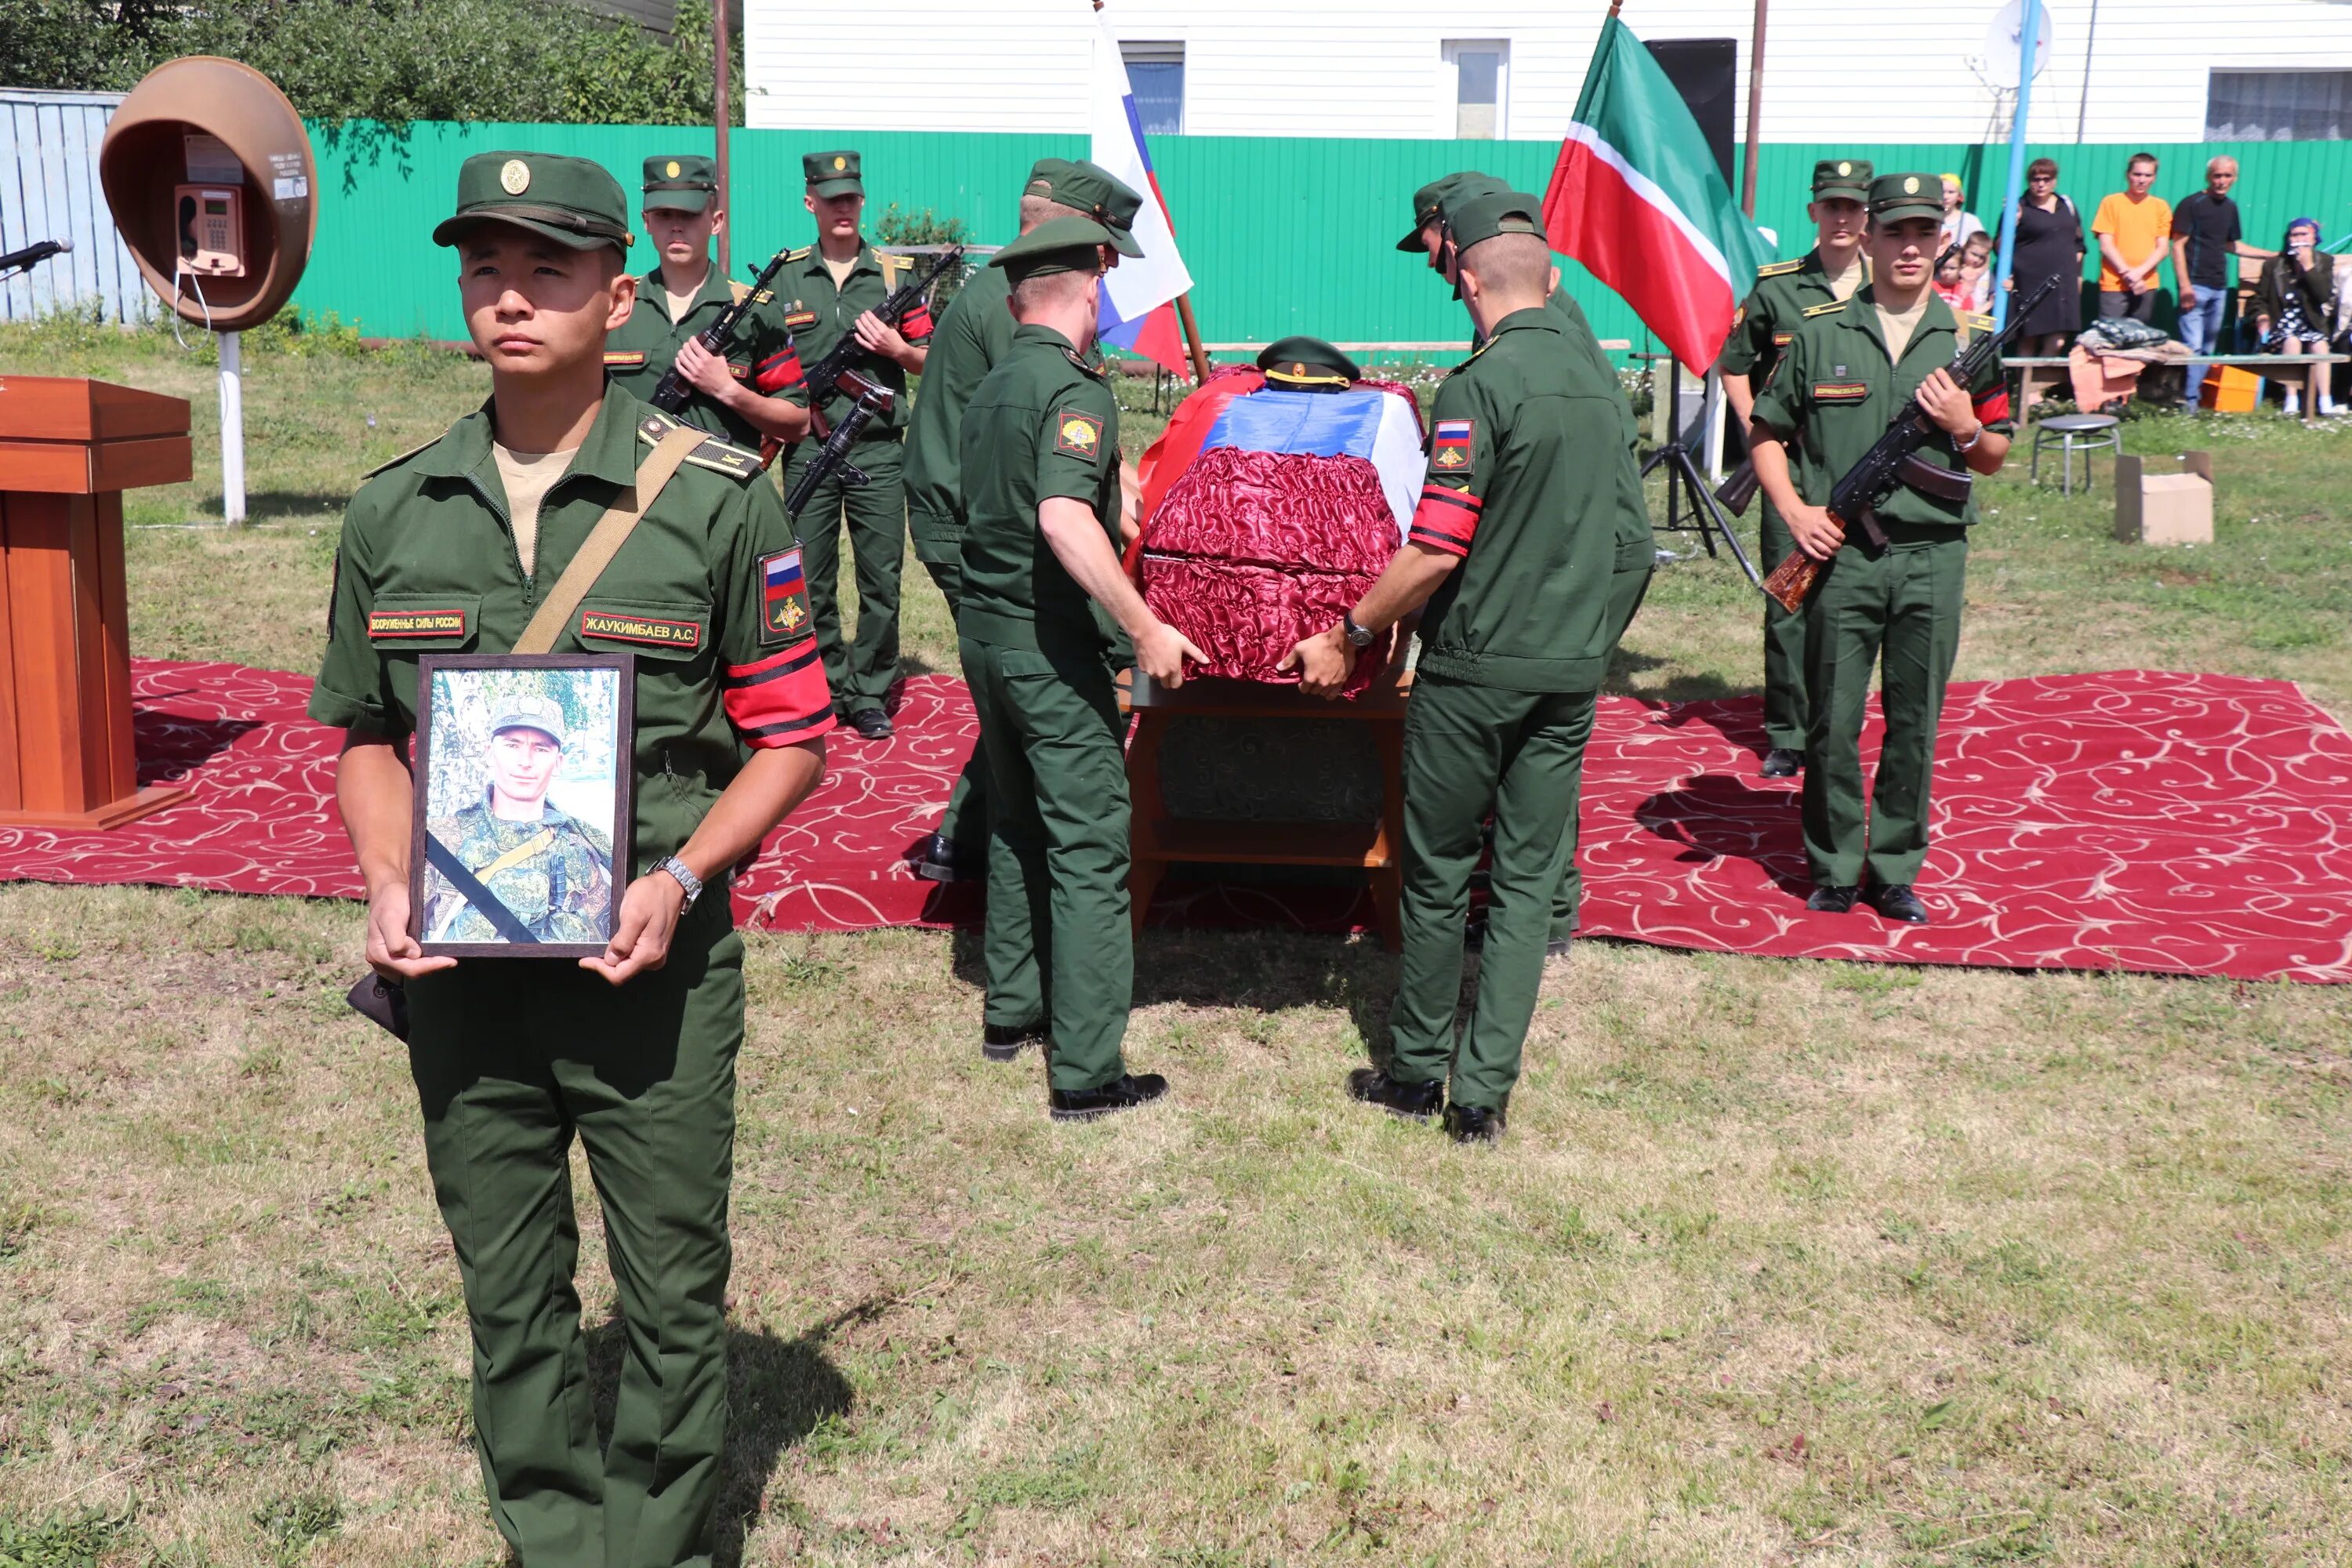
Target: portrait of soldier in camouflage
[(552, 872)]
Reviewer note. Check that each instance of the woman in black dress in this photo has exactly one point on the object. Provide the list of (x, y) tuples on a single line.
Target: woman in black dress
[(2049, 245)]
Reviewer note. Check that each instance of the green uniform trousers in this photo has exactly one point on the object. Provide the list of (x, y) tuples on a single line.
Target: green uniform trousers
[(859, 672), (1785, 707), (1626, 591), (1059, 946), (942, 553), (1468, 750), (1903, 606), (512, 1056)]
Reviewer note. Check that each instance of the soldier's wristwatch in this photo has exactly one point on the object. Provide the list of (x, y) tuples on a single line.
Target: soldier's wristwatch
[(1355, 634), (685, 879)]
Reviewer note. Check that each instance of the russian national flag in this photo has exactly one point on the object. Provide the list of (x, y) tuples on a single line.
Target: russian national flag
[(1139, 306)]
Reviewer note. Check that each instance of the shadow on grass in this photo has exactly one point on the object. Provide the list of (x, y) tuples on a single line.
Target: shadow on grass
[(778, 1392), (262, 505)]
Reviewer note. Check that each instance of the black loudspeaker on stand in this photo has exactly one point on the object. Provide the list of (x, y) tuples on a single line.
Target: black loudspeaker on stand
[(1691, 506)]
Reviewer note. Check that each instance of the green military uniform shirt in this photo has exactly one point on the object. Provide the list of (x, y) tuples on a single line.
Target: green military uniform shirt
[(973, 335), (820, 315), (1836, 390), (555, 872), (1528, 481), (1766, 324), (1043, 423), (706, 593), (640, 351)]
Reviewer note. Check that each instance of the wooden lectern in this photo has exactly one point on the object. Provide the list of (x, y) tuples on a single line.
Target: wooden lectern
[(68, 449)]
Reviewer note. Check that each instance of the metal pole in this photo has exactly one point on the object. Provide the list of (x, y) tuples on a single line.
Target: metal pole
[(2090, 36), (232, 429), (2028, 34), (1754, 115), (719, 117)]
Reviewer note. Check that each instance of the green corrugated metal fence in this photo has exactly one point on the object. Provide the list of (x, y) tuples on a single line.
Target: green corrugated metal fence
[(1283, 235)]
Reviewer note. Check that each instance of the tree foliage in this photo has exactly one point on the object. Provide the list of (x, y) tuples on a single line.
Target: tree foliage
[(390, 60)]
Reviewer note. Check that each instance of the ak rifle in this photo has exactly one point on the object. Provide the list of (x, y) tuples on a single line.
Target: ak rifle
[(873, 400), (824, 378), (674, 389), (1894, 459)]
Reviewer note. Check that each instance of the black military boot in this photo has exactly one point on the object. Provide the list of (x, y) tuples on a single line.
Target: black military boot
[(871, 723), (944, 860), (1474, 1124), (1896, 901), (1829, 900), (1416, 1102), (1123, 1093), (1782, 763), (1002, 1042)]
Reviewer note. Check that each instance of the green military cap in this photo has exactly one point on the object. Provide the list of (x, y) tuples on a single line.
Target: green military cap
[(1092, 190), (1059, 245), (1429, 202), (522, 712), (1847, 177), (1484, 217), (571, 200), (1307, 362), (832, 173), (1893, 197), (681, 184)]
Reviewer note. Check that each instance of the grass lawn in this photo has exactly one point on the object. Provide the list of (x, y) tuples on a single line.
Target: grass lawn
[(1781, 1262)]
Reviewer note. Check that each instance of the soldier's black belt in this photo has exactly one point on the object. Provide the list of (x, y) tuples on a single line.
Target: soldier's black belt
[(444, 859)]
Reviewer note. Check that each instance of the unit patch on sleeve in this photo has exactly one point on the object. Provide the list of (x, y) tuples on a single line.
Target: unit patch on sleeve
[(1450, 443), (386, 624), (650, 630), (1077, 433), (783, 597)]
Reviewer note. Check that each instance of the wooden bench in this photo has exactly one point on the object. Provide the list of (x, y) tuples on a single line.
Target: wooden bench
[(2315, 368)]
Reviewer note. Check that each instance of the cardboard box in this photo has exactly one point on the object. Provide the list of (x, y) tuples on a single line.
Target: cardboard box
[(2231, 389), (2164, 507)]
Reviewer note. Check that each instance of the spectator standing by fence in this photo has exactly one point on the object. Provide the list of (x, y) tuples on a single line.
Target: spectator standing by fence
[(2208, 237), (2295, 303), (2049, 245), (2133, 225)]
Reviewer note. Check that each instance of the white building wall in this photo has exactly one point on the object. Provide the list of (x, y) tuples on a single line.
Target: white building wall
[(1833, 70)]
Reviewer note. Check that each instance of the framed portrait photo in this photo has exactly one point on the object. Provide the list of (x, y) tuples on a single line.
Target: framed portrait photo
[(521, 841)]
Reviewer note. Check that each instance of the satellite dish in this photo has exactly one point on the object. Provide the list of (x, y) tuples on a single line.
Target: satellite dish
[(2001, 45)]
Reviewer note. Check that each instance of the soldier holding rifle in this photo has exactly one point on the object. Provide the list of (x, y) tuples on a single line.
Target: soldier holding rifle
[(738, 392), (1851, 371), (1765, 326)]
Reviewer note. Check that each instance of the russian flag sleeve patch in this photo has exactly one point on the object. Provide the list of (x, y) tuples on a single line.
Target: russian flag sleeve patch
[(783, 598), (1450, 442)]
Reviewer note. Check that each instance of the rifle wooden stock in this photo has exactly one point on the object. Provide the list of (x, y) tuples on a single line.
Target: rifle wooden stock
[(1792, 582)]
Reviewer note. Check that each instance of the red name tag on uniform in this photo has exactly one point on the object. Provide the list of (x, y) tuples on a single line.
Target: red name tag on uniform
[(645, 629), (1839, 390), (381, 624), (616, 358)]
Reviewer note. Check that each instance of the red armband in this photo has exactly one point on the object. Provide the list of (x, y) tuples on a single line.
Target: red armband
[(1446, 519), (778, 371), (1992, 405), (780, 701), (916, 325)]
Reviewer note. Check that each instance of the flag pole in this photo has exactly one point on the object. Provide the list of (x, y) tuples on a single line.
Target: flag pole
[(1754, 115), (2030, 24), (719, 115), (1193, 337)]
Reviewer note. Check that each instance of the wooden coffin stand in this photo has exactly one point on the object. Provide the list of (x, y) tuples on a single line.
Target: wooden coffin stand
[(68, 449)]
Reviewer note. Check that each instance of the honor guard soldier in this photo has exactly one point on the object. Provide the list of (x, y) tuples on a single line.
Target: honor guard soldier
[(973, 334), (1850, 369), (1531, 537), (693, 569), (553, 871), (737, 395), (1041, 493), (1432, 203), (1763, 327), (830, 290)]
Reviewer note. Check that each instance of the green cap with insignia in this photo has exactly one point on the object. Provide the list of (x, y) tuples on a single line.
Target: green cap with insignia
[(832, 173), (681, 184), (1058, 245), (569, 200), (1093, 191), (1894, 197), (1429, 203), (522, 712), (1484, 217), (1303, 362), (1847, 177)]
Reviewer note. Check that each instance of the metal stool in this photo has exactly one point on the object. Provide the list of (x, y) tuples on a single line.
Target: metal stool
[(2071, 433)]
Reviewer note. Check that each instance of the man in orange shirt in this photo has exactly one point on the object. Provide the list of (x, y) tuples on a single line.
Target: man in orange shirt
[(2134, 227)]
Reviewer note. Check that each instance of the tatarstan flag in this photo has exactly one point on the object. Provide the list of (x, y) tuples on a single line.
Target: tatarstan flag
[(1637, 197)]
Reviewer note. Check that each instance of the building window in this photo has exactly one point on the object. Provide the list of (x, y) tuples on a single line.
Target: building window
[(2278, 106), (1155, 74), (1479, 70)]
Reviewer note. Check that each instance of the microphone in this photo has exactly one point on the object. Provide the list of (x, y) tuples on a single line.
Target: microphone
[(32, 256)]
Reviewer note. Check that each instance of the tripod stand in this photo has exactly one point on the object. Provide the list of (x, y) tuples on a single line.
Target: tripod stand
[(1688, 495)]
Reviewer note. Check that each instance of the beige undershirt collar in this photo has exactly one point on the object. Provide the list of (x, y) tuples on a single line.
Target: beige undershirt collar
[(527, 476), (1898, 329), (1843, 284)]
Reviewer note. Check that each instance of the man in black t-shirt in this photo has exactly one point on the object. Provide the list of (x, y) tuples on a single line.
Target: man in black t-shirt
[(2207, 241)]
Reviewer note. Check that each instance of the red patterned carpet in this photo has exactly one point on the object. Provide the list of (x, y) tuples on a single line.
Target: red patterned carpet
[(2187, 824)]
